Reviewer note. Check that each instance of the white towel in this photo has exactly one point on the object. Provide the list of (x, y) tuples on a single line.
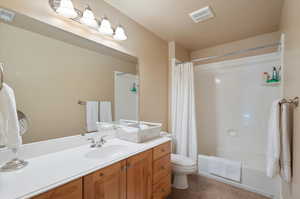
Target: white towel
[(286, 143), (10, 130), (3, 139), (273, 145), (105, 111), (92, 115)]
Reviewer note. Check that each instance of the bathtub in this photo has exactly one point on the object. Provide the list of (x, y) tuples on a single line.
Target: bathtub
[(251, 179)]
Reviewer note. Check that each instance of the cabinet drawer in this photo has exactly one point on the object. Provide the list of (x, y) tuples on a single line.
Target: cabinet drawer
[(71, 190), (162, 189), (161, 168), (161, 150)]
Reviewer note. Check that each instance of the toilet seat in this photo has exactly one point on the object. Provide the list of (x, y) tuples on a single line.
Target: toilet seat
[(184, 168), (183, 164), (182, 161)]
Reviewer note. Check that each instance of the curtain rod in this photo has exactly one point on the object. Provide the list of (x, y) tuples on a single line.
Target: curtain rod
[(235, 52)]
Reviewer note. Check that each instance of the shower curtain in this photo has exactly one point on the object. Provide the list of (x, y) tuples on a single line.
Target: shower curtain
[(183, 110)]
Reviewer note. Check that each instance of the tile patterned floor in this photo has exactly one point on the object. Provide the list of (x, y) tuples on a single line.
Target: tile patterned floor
[(205, 188)]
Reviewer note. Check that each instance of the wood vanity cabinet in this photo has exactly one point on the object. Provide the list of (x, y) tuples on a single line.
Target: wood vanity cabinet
[(161, 171), (146, 175), (107, 183), (71, 190), (139, 176), (131, 178)]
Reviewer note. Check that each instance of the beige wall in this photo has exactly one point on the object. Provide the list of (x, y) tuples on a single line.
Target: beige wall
[(290, 25), (238, 45), (50, 76), (178, 52), (151, 51), (181, 53)]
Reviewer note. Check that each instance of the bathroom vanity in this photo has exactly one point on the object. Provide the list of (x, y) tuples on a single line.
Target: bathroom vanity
[(143, 176), (118, 170)]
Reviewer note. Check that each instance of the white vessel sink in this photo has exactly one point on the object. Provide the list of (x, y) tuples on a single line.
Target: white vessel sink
[(139, 132)]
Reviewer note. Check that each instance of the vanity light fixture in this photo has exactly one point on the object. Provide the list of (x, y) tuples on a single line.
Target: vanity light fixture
[(66, 9), (105, 27), (88, 18), (120, 34)]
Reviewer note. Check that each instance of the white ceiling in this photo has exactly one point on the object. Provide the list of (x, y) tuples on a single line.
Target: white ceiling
[(235, 19)]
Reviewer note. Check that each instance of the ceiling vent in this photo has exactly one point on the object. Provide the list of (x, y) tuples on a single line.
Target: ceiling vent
[(7, 15), (202, 14)]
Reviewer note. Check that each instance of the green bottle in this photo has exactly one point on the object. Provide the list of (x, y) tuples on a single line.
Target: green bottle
[(274, 75)]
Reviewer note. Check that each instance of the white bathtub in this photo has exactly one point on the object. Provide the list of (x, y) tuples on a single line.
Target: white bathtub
[(252, 180)]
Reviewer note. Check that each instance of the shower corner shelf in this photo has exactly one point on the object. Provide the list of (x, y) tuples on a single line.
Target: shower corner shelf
[(271, 84)]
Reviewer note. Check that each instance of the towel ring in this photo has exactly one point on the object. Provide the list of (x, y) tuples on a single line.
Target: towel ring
[(1, 76)]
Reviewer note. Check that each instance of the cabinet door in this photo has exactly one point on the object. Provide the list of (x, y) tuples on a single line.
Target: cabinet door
[(107, 183), (139, 176), (71, 190), (162, 189), (161, 168)]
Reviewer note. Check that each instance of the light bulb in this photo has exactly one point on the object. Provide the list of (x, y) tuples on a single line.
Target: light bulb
[(88, 18), (120, 34), (105, 27), (66, 9)]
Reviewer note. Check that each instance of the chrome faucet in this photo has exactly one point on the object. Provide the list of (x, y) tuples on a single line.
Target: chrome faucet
[(97, 143)]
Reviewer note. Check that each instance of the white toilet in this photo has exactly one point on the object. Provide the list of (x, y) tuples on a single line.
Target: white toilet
[(181, 167)]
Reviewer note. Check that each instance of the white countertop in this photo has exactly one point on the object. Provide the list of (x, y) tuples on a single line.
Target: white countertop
[(54, 169)]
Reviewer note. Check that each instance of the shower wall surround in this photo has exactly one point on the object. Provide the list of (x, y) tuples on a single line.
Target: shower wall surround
[(232, 114)]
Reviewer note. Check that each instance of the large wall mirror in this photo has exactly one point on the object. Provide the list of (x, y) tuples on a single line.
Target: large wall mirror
[(55, 82)]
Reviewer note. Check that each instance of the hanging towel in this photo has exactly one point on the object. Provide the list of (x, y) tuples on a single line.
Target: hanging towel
[(92, 115), (105, 111), (286, 139), (9, 119), (273, 145), (2, 130)]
